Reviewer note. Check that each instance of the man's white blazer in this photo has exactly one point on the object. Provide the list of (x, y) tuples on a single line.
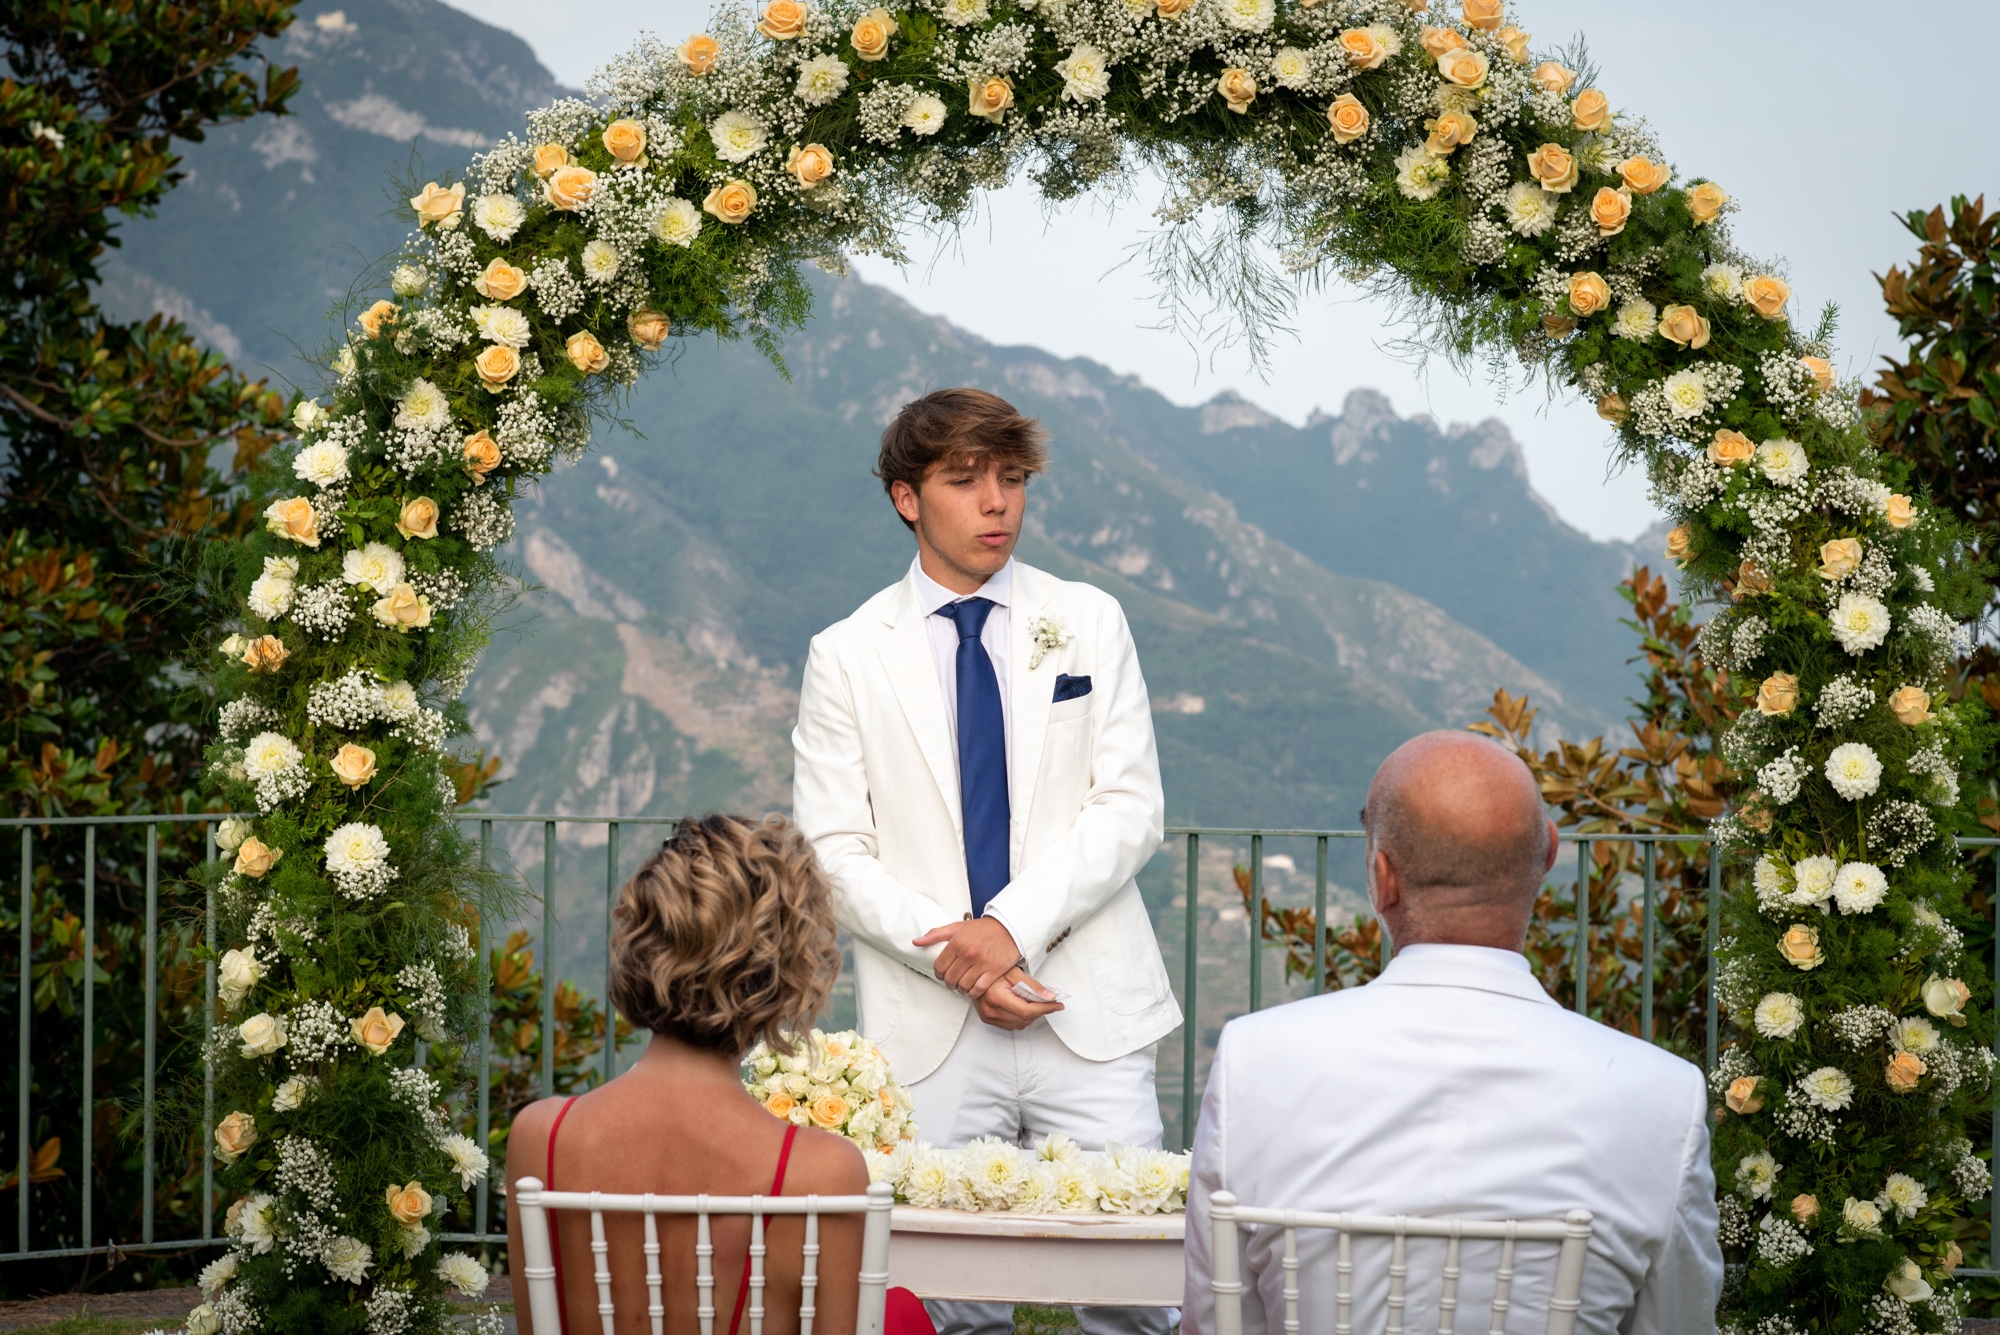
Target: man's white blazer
[(876, 790), (1453, 1085)]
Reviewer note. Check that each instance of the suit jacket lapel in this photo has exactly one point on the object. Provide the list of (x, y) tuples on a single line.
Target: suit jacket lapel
[(906, 657), (1033, 691)]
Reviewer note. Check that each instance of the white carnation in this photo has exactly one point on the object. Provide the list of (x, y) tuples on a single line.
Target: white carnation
[(463, 1272), (1859, 622), (1854, 770), (322, 464), (738, 136), (1779, 1015), (423, 407), (377, 567), (349, 1258), (677, 223), (499, 216), (600, 261), (1859, 887), (821, 80), (924, 116), (1829, 1087), (1086, 74), (503, 325)]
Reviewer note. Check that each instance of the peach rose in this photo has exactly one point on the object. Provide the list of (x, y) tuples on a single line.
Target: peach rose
[(1705, 202), (419, 518), (1448, 131), (1238, 90), (234, 1135), (783, 20), (1348, 118), (1952, 1258), (1363, 49), (829, 1111), (586, 354), (1767, 294), (1484, 15), (1751, 580), (1822, 372), (1804, 1206), (1911, 705), (570, 187), (1591, 111), (373, 319), (403, 609), (1611, 209), (1515, 43), (648, 328), (809, 164), (1839, 558), (731, 202), (990, 99), (254, 857), (1730, 448), (497, 364), (1437, 41), (872, 31), (1643, 174), (548, 157), (1799, 947), (353, 765), (482, 453), (699, 53), (1680, 542), (780, 1105), (1558, 326), (1613, 408), (1554, 168), (1465, 69), (1588, 293), (1683, 325), (1551, 77), (294, 518), (1904, 1071), (1898, 511), (625, 140), (376, 1030), (1742, 1096), (409, 1205), (500, 281), (1173, 9), (266, 653), (436, 205), (1778, 694)]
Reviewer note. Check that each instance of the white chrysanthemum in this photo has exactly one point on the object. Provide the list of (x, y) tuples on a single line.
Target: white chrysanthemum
[(1854, 770), (271, 598), (269, 755), (1039, 1189), (349, 1258), (964, 13), (1905, 1195), (1686, 393), (1913, 1034), (1779, 1015), (503, 325), (281, 567), (1419, 175), (253, 1227), (1058, 1148), (463, 1272), (409, 280), (991, 1172), (1782, 461), (1154, 1173), (1922, 579), (356, 850), (1829, 1087), (1768, 877), (1390, 40), (1861, 1216), (1638, 320), (1529, 209), (1859, 622), (415, 1240), (1812, 879), (1291, 67), (600, 261), (499, 216), (1757, 1175), (1723, 280), (377, 567), (1086, 74), (1859, 886), (677, 223), (1077, 1191), (291, 1095), (1249, 15), (423, 407), (738, 136), (924, 116), (891, 1165), (217, 1273), (821, 80), (399, 701), (322, 464), (928, 1181)]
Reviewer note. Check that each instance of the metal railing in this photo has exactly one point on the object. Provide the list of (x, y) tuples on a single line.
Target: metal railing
[(1189, 838)]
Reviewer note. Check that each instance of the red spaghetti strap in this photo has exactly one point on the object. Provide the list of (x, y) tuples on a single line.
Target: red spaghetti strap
[(777, 1189), (555, 1236)]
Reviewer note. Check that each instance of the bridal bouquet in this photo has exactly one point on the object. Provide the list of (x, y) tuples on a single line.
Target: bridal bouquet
[(837, 1082), (1054, 1177)]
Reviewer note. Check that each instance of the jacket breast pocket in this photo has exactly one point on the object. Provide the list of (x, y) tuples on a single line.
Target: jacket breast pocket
[(1068, 711)]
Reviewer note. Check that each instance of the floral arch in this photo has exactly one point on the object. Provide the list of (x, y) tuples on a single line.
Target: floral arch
[(1508, 199)]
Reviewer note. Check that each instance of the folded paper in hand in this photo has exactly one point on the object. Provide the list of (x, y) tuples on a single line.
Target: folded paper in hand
[(1026, 992)]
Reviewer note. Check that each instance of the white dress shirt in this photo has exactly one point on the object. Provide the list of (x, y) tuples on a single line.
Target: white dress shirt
[(943, 633)]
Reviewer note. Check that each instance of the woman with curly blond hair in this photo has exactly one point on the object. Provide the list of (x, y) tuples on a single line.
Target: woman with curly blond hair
[(725, 938)]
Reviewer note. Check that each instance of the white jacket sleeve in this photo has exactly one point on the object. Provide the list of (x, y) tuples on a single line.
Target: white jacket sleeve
[(832, 807), (1680, 1291), (1120, 826)]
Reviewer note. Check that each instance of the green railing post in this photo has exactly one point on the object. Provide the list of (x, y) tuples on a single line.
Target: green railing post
[(1580, 944), (1190, 1031), (1322, 933), (610, 900), (548, 959), (1714, 940), (27, 1002), (1646, 949), (485, 1025), (1256, 923), (208, 1066), (152, 1011), (87, 1186)]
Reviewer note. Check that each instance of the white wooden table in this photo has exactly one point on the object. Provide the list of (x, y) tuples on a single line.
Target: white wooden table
[(1088, 1259)]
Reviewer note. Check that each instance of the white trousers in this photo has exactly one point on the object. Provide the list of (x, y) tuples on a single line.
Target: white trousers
[(1021, 1086)]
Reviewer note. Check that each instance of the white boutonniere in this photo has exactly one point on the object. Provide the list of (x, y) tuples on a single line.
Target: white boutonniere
[(1047, 633)]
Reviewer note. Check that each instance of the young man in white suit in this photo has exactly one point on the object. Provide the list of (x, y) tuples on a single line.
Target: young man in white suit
[(1453, 1085), (976, 768)]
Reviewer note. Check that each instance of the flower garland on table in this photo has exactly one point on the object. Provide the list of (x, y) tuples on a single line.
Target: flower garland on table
[(1512, 204)]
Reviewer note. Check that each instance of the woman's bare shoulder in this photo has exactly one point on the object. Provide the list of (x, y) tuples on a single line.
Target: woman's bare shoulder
[(528, 1138), (827, 1165)]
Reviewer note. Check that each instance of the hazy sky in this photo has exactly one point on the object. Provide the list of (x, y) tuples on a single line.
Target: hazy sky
[(1819, 119)]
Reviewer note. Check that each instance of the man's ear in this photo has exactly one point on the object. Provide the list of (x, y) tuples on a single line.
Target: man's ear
[(1385, 888), (904, 497), (1554, 849)]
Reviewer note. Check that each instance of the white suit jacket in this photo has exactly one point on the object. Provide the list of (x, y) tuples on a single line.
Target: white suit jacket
[(876, 790), (1454, 1086)]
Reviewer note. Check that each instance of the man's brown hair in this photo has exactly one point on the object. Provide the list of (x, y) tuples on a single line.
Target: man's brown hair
[(958, 426)]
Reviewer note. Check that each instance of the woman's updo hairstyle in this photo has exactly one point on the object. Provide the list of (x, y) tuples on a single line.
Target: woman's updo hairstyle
[(726, 936)]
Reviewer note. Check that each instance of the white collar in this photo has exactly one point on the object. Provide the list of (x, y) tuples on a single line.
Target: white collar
[(931, 595), (1481, 968)]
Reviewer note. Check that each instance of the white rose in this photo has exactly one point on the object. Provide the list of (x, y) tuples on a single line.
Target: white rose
[(308, 414), (1906, 1281), (409, 280), (262, 1035), (236, 974), (1861, 1216), (230, 834), (204, 1320)]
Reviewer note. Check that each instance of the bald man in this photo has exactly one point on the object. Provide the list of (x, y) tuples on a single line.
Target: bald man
[(1453, 1085)]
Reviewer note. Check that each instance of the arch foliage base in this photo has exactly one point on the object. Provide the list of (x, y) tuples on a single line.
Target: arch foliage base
[(1520, 213)]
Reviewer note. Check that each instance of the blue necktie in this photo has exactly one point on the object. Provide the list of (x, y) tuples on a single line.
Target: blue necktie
[(982, 756)]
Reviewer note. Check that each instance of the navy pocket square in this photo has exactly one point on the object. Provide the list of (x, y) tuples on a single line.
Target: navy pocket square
[(1070, 688)]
